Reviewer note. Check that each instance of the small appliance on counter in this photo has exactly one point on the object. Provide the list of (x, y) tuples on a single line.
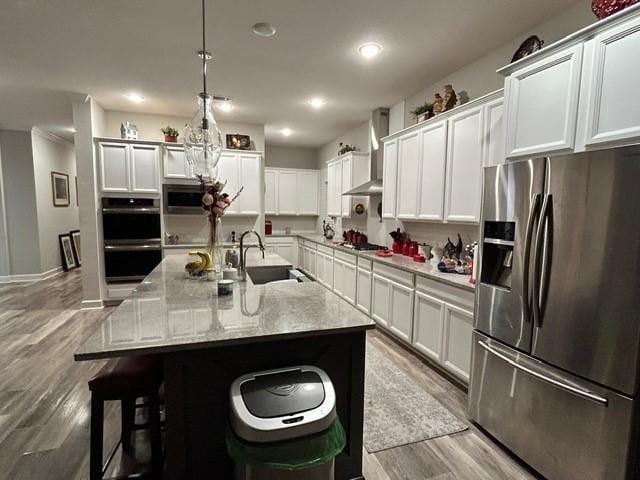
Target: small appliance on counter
[(328, 230), (268, 227), (354, 237), (399, 239)]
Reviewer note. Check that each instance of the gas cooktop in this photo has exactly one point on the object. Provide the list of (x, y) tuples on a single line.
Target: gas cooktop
[(364, 246)]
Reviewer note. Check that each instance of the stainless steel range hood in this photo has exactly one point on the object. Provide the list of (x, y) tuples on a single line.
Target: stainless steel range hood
[(379, 126)]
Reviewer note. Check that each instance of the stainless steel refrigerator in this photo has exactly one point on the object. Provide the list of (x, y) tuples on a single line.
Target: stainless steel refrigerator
[(555, 360)]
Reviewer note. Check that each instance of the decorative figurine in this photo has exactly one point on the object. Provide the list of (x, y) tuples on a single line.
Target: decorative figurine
[(450, 97), (342, 148), (438, 104), (529, 46)]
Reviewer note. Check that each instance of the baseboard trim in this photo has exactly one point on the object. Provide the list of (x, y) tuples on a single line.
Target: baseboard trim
[(31, 277), (91, 305)]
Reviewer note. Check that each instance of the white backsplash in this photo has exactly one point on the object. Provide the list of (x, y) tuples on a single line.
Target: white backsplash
[(194, 228)]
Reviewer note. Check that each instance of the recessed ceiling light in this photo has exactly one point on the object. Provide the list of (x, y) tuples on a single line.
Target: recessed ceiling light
[(226, 106), (264, 29), (370, 50), (317, 102), (286, 132), (135, 97)]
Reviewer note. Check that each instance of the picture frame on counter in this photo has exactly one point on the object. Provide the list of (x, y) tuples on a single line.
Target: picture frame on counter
[(60, 189), (66, 252)]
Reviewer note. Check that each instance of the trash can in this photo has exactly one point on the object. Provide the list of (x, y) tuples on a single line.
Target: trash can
[(284, 425)]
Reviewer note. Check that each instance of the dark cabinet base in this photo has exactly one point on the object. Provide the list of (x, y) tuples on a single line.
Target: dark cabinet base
[(197, 398)]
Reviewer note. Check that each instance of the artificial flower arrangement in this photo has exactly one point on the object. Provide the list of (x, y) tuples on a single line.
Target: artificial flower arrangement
[(214, 202)]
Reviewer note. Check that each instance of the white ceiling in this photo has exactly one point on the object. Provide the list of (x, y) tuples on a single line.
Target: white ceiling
[(50, 50)]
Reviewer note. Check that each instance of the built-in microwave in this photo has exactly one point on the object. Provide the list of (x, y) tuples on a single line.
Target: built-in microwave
[(182, 199)]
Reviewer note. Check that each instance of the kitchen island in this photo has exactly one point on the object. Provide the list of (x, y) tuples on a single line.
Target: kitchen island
[(207, 341)]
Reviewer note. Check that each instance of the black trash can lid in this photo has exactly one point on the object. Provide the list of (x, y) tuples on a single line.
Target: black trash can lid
[(281, 394)]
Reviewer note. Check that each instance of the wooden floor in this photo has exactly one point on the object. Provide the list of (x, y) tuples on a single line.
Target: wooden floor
[(44, 400)]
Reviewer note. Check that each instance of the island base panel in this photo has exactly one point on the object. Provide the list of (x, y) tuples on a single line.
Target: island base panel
[(197, 398)]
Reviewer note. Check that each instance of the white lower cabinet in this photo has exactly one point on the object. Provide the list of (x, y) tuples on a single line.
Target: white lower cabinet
[(282, 246), (380, 300), (345, 276), (363, 284), (456, 345), (325, 268), (428, 319), (401, 315)]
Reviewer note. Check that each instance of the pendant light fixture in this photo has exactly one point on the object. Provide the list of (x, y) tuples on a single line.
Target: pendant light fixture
[(202, 137)]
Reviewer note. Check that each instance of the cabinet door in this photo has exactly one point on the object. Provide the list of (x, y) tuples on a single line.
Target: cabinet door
[(334, 185), (270, 192), (144, 168), (312, 263), (306, 195), (229, 171), (346, 201), (349, 279), (613, 111), (114, 167), (408, 167), (286, 252), (401, 316), (287, 193), (494, 140), (250, 170), (389, 179), (542, 104), (174, 162), (338, 277), (363, 298), (456, 351), (320, 263), (301, 257), (433, 141), (428, 319), (464, 167), (380, 300)]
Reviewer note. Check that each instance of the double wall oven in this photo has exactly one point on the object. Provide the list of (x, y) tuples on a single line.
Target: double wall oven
[(132, 239)]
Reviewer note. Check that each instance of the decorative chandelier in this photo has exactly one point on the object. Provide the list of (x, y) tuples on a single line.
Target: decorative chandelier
[(202, 137)]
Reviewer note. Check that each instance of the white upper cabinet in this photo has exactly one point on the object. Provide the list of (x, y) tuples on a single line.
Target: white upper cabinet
[(493, 140), (307, 192), (334, 185), (128, 167), (242, 170), (390, 178), (174, 162), (542, 104), (291, 191), (347, 201), (433, 140), (144, 168), (408, 168), (612, 104), (270, 192), (344, 173), (229, 172), (464, 167)]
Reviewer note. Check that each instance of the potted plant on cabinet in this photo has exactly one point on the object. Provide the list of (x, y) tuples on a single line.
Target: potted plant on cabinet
[(170, 134), (423, 112)]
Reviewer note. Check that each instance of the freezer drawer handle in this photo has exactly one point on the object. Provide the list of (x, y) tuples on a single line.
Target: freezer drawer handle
[(564, 386)]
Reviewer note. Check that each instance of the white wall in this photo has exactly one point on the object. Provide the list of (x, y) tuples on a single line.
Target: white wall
[(52, 154), (21, 207), (480, 77), (290, 157), (149, 126), (358, 136)]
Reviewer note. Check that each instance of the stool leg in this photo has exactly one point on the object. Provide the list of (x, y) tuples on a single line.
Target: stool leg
[(128, 410), (97, 420), (156, 441)]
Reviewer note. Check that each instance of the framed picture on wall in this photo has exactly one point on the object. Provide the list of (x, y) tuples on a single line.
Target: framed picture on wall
[(66, 250), (75, 243), (60, 187)]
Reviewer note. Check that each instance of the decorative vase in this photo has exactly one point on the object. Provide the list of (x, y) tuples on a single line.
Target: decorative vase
[(605, 8), (423, 117), (171, 138), (215, 242)]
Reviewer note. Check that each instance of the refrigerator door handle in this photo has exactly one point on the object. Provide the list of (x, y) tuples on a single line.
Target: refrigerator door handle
[(580, 392), (540, 270), (535, 203)]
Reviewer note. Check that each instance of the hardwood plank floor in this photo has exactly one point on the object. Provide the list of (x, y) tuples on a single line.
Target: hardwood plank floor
[(44, 399)]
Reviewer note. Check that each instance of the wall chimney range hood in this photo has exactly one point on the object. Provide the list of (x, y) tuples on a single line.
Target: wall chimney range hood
[(379, 126)]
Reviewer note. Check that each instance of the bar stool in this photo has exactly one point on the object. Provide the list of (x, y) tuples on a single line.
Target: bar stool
[(129, 379)]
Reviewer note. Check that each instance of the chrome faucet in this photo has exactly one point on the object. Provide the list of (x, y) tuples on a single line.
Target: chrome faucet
[(243, 253)]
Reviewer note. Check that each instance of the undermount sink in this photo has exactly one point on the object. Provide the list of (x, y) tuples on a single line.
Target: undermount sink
[(262, 275)]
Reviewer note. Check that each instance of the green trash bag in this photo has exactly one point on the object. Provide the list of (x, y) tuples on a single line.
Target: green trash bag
[(295, 454)]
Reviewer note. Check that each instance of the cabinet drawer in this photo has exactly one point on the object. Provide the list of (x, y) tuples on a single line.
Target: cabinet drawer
[(325, 250), (278, 240), (365, 263), (450, 294), (346, 257), (400, 276)]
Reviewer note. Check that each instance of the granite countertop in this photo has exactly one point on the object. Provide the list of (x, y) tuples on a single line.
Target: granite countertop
[(169, 312), (427, 269)]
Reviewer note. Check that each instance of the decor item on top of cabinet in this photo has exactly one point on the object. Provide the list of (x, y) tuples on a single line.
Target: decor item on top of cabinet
[(438, 104), (60, 189), (170, 134), (202, 137), (342, 148), (605, 8), (128, 131), (529, 46), (450, 97), (235, 141), (66, 250), (423, 112)]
